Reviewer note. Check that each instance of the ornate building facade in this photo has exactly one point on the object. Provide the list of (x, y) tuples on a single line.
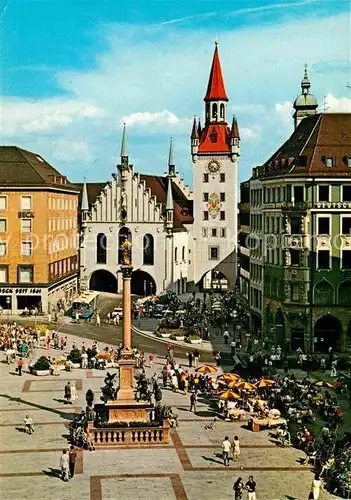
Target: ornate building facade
[(182, 240)]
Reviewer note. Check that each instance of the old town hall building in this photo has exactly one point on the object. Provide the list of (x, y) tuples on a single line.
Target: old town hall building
[(182, 240)]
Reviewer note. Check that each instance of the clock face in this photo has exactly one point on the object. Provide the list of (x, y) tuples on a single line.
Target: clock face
[(214, 166)]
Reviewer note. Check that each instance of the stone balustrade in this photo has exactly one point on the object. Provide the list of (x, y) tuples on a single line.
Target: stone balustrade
[(110, 436)]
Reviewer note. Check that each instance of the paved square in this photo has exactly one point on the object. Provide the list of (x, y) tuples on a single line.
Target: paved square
[(189, 468)]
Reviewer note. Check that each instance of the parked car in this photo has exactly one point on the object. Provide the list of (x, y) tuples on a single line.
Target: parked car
[(117, 310)]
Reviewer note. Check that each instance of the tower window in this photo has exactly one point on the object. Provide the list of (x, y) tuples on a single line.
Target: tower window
[(214, 232), (222, 196), (223, 232), (329, 162), (214, 112), (205, 215), (221, 177), (213, 137), (221, 113), (205, 177), (214, 253), (222, 215), (205, 196)]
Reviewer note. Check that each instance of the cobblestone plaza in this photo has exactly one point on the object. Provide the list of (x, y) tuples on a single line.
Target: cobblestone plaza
[(188, 468)]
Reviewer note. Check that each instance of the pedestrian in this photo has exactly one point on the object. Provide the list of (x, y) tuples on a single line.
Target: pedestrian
[(49, 318), (20, 366), (251, 488), (190, 359), (193, 400), (333, 372), (29, 424), (74, 394), (218, 358), (196, 358), (84, 362), (164, 376), (316, 487), (72, 460), (238, 489), (64, 466), (151, 360), (232, 347), (98, 320), (236, 448), (68, 394), (226, 336), (117, 318), (226, 447)]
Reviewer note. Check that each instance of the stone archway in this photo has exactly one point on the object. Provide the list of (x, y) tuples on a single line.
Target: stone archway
[(143, 284), (103, 281), (327, 333)]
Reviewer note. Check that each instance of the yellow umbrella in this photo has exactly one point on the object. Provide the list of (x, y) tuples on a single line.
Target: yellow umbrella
[(245, 385), (229, 395), (323, 383), (264, 383), (233, 383), (228, 377), (206, 369)]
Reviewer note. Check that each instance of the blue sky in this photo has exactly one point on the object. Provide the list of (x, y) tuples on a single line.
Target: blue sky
[(72, 72)]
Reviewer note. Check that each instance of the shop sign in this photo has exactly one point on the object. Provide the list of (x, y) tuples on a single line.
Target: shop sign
[(20, 291), (26, 215)]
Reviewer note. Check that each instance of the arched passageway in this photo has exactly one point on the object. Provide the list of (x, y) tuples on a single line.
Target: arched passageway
[(103, 281), (143, 284), (327, 333)]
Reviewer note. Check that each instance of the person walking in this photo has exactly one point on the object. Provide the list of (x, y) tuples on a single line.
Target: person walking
[(72, 460), (74, 394), (98, 320), (238, 489), (333, 368), (236, 448), (196, 358), (226, 336), (29, 424), (68, 394), (190, 359), (315, 488), (226, 447), (64, 466), (251, 488), (193, 400), (20, 366)]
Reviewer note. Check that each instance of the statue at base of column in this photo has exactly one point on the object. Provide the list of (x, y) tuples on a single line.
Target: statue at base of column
[(126, 253)]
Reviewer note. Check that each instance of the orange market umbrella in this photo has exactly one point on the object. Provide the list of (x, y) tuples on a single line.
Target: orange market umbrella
[(323, 383), (206, 369), (264, 383), (245, 385), (229, 395), (233, 383), (228, 377)]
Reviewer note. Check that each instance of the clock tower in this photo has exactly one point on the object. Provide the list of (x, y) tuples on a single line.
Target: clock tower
[(215, 151)]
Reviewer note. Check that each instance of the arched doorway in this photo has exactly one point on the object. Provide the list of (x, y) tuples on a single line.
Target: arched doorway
[(103, 281), (327, 333), (143, 284)]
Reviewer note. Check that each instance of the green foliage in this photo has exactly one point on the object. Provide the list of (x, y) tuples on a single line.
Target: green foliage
[(42, 364), (75, 356)]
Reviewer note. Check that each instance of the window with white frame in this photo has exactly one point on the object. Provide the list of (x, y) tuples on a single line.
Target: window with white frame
[(26, 249), (2, 248), (3, 225), (323, 193), (4, 273), (346, 226), (329, 162), (346, 193), (3, 202), (25, 274), (323, 259), (26, 202), (26, 225)]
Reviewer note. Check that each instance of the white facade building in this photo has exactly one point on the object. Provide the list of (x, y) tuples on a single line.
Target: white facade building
[(181, 240)]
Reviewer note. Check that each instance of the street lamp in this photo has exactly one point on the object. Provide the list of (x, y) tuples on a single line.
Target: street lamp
[(8, 302)]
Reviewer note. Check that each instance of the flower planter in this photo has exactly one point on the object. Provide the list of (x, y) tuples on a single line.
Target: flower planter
[(165, 335), (41, 373), (180, 337), (195, 341)]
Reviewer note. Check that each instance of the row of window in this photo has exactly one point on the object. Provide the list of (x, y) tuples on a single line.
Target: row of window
[(206, 177), (221, 215), (26, 203), (280, 194), (24, 274), (214, 232), (27, 247), (62, 267), (63, 243), (256, 298), (62, 223), (275, 225), (206, 197), (25, 225)]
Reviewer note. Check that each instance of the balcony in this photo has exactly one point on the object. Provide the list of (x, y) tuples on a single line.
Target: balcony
[(295, 241)]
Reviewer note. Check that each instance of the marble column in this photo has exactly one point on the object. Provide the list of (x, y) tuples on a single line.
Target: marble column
[(126, 363)]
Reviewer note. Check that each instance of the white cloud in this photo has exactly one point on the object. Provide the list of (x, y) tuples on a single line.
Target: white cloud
[(337, 104), (21, 116), (162, 118), (284, 111), (67, 151), (252, 133)]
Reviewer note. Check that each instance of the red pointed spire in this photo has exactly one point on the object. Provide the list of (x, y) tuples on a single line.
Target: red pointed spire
[(216, 89), (235, 129)]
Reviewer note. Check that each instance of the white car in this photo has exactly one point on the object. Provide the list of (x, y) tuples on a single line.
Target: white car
[(117, 310)]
